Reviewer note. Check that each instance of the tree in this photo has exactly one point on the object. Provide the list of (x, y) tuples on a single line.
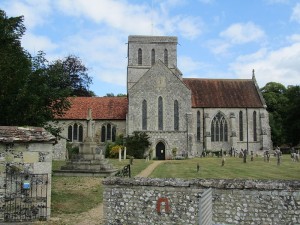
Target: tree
[(292, 121), (274, 94), (15, 67), (33, 91), (137, 144), (283, 105), (76, 73)]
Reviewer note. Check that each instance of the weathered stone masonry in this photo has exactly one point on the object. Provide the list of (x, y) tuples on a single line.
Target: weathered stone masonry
[(134, 201), (25, 173)]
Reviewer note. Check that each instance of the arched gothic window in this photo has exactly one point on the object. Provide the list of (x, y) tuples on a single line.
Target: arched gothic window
[(140, 57), (198, 126), (241, 126), (176, 115), (160, 113), (144, 115), (152, 57), (108, 133), (166, 60), (219, 129), (75, 133), (254, 127)]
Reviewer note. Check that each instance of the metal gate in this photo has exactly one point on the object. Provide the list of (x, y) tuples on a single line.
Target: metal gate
[(25, 196), (205, 208)]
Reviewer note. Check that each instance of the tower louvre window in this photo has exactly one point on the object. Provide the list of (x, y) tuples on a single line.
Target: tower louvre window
[(152, 57), (140, 57), (166, 60)]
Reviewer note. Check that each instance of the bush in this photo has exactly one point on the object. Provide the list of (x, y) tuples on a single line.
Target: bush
[(137, 144), (114, 151), (72, 150)]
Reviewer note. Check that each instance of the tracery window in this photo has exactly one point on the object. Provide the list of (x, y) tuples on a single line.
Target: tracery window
[(241, 126), (166, 60), (152, 57), (144, 115), (219, 128), (140, 57), (254, 127), (176, 115), (198, 126), (75, 133), (108, 133), (160, 113)]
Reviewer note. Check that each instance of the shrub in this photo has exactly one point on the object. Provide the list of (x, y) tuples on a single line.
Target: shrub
[(137, 144)]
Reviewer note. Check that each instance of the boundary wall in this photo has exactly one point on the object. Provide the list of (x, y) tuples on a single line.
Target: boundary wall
[(175, 201)]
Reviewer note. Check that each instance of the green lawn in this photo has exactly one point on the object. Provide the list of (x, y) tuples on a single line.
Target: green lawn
[(137, 166), (234, 168), (80, 194)]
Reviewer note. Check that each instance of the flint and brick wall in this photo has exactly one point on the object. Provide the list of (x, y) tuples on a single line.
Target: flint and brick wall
[(143, 201)]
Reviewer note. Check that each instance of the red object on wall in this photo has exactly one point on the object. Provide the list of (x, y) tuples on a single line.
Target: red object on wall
[(159, 202)]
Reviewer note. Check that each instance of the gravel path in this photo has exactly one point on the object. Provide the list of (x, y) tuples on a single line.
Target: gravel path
[(146, 172)]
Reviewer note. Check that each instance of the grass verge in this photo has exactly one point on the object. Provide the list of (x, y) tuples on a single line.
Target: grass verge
[(234, 169)]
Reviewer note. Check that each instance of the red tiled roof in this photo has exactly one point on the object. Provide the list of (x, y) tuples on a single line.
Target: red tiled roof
[(112, 108), (222, 93)]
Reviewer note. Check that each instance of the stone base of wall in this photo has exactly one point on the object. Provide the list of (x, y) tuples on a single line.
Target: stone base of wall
[(135, 201)]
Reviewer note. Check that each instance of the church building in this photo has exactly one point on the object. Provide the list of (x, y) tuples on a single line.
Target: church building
[(187, 114)]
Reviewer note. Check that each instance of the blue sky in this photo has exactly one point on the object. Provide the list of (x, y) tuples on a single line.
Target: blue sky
[(217, 38)]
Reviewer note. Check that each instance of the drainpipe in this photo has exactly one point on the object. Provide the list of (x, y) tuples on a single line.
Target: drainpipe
[(247, 130), (203, 129), (187, 133)]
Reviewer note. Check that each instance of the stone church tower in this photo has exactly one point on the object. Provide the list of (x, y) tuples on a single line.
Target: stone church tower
[(159, 102)]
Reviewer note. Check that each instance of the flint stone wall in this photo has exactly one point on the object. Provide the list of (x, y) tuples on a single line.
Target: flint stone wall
[(134, 201)]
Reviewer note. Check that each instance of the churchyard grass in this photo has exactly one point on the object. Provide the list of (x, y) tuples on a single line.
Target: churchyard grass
[(75, 194), (137, 166), (80, 194), (210, 167)]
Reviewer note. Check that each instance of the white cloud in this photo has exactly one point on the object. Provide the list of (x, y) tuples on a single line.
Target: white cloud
[(34, 43), (294, 38), (241, 33), (104, 55), (281, 65), (219, 47), (119, 15), (296, 13), (236, 34), (34, 11), (190, 67), (134, 19)]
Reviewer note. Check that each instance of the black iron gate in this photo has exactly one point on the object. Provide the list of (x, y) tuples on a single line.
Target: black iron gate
[(25, 196)]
